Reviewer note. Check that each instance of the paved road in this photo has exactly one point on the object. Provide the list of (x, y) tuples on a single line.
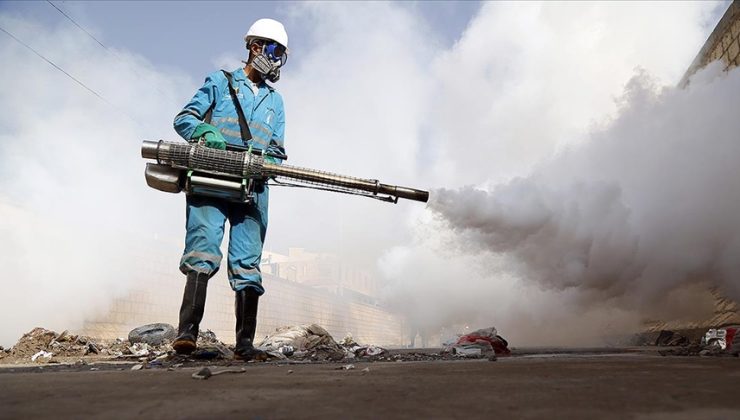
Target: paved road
[(568, 386)]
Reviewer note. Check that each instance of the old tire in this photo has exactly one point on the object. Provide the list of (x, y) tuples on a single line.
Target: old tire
[(152, 334)]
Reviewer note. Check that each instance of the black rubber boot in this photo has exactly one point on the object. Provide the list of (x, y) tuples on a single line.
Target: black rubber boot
[(191, 312), (246, 325)]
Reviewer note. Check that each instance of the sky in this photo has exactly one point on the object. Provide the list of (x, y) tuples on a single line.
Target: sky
[(190, 36), (431, 95)]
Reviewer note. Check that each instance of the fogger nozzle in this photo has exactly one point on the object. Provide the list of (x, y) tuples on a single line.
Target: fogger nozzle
[(244, 165)]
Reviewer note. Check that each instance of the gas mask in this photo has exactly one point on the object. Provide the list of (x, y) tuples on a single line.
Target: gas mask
[(269, 61)]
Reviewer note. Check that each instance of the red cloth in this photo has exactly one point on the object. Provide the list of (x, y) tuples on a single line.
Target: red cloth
[(499, 346)]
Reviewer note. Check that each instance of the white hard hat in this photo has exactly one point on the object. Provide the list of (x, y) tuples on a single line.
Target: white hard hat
[(269, 29)]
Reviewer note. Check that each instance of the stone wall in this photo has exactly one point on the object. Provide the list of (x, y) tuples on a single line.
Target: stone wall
[(285, 303), (156, 292), (723, 44)]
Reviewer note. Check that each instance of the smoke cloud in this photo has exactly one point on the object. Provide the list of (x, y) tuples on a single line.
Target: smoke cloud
[(375, 93), (649, 204), (77, 224)]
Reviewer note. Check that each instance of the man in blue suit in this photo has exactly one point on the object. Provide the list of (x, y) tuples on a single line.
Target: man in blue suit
[(212, 118)]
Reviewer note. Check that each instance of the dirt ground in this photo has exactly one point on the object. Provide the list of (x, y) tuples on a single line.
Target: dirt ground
[(627, 385)]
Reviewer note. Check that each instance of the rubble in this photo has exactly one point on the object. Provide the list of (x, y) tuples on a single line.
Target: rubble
[(715, 342), (668, 338), (307, 342), (211, 348), (41, 345), (294, 344), (44, 346)]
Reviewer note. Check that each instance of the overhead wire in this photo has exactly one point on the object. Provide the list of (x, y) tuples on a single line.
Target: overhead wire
[(110, 51), (99, 96), (56, 66), (76, 24)]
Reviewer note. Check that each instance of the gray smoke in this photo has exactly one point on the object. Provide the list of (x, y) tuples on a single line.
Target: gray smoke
[(648, 205)]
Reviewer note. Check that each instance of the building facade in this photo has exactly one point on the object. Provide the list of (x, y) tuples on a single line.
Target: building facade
[(301, 288)]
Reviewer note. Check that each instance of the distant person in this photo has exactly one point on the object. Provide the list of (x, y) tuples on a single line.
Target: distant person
[(213, 118)]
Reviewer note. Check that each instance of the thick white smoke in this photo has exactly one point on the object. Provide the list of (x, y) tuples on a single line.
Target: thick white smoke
[(524, 83), (77, 223), (649, 204), (374, 94)]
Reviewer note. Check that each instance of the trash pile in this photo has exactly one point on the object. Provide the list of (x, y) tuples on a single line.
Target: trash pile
[(148, 343), (151, 346), (479, 343), (312, 342), (715, 342), (41, 345)]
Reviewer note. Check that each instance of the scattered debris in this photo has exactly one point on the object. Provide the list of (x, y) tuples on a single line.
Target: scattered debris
[(210, 348), (715, 342), (287, 350), (206, 373), (470, 350), (290, 371), (41, 356), (668, 338), (346, 367), (139, 350), (723, 338), (366, 370), (203, 374), (309, 341), (294, 344)]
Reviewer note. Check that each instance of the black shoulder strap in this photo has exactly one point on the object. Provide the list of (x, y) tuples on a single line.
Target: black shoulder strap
[(243, 126)]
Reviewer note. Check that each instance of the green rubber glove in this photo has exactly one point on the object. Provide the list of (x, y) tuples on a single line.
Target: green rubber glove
[(211, 135)]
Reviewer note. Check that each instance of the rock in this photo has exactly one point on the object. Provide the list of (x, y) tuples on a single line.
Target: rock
[(668, 338), (92, 349)]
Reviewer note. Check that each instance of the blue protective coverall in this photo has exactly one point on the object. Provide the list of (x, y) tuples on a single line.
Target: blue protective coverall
[(206, 216)]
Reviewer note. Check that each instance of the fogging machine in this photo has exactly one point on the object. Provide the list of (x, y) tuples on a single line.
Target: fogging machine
[(232, 174)]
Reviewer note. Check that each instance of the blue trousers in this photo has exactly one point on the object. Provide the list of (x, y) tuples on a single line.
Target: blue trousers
[(205, 220)]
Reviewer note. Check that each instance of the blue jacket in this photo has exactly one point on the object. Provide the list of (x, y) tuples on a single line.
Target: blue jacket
[(264, 112)]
